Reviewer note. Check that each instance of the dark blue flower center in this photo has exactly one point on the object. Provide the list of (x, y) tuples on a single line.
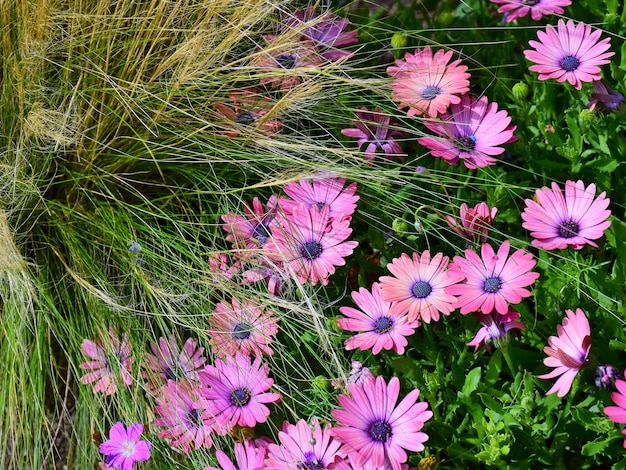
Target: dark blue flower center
[(240, 397), (530, 3), (310, 462), (311, 250), (569, 63), (286, 61), (466, 143), (380, 431), (568, 229), (261, 233), (195, 418), (175, 372), (320, 206), (383, 325), (431, 92), (492, 284), (421, 289), (245, 118), (242, 331)]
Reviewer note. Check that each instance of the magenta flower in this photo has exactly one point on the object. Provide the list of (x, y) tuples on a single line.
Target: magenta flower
[(374, 429), (472, 131), (428, 84), (605, 98), (111, 362), (474, 223), (310, 244), (496, 327), (241, 327), (264, 269), (169, 362), (568, 351), (124, 448), (418, 286), (380, 329), (248, 233), (492, 281), (537, 8), (247, 111), (321, 192), (557, 222), (236, 393), (177, 410), (606, 375), (571, 52), (617, 413), (247, 457), (378, 131), (303, 446)]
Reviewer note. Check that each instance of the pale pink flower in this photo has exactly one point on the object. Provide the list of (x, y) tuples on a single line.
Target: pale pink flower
[(241, 327), (378, 131), (470, 131), (570, 52), (247, 457), (537, 8), (249, 232), (110, 362), (428, 84), (556, 221), (321, 192), (124, 448), (418, 286), (374, 429), (474, 223), (493, 281), (496, 328), (247, 113), (568, 351)]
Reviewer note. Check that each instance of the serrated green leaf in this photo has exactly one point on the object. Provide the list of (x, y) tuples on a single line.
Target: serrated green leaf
[(592, 448), (471, 381)]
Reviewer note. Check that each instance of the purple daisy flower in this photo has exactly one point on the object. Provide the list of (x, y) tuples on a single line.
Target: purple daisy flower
[(514, 9), (124, 448), (604, 98)]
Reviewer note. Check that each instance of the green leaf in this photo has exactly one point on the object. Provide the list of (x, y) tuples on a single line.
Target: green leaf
[(592, 448), (471, 381)]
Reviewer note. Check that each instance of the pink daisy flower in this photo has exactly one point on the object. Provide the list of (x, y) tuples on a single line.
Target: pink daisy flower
[(380, 328), (474, 223), (472, 131), (303, 446), (176, 410), (570, 52), (378, 131), (374, 429), (322, 192), (617, 413), (169, 362), (236, 393), (124, 448), (241, 327), (537, 8), (557, 222), (496, 328), (568, 351), (246, 112), (311, 244), (605, 99), (428, 84), (111, 362), (247, 457), (492, 281), (248, 233), (418, 286)]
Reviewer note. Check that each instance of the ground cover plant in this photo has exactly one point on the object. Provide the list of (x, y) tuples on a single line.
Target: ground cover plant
[(333, 235)]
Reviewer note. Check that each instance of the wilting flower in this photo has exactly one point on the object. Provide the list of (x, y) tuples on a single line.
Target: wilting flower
[(111, 362), (169, 362), (606, 374), (221, 268), (472, 131), (241, 327), (248, 110), (265, 269), (418, 286), (303, 446), (285, 62), (515, 9), (249, 232), (605, 98), (124, 448), (310, 244), (359, 373), (492, 281), (378, 131), (568, 351), (556, 221), (177, 410), (428, 84), (496, 327), (247, 457), (235, 392), (374, 429), (321, 192), (380, 329), (327, 31), (570, 52), (474, 223)]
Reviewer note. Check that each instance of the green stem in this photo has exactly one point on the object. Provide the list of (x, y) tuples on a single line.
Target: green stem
[(509, 361)]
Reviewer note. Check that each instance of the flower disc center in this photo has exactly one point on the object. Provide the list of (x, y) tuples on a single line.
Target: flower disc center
[(311, 250), (569, 63), (492, 284), (383, 325), (431, 92), (568, 229), (380, 431), (240, 397), (421, 289), (242, 331), (286, 61)]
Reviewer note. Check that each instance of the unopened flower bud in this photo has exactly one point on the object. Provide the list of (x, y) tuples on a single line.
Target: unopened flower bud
[(520, 90)]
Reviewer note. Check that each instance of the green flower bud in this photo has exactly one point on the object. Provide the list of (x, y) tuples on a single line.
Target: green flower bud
[(398, 41), (520, 90), (586, 117), (399, 226)]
